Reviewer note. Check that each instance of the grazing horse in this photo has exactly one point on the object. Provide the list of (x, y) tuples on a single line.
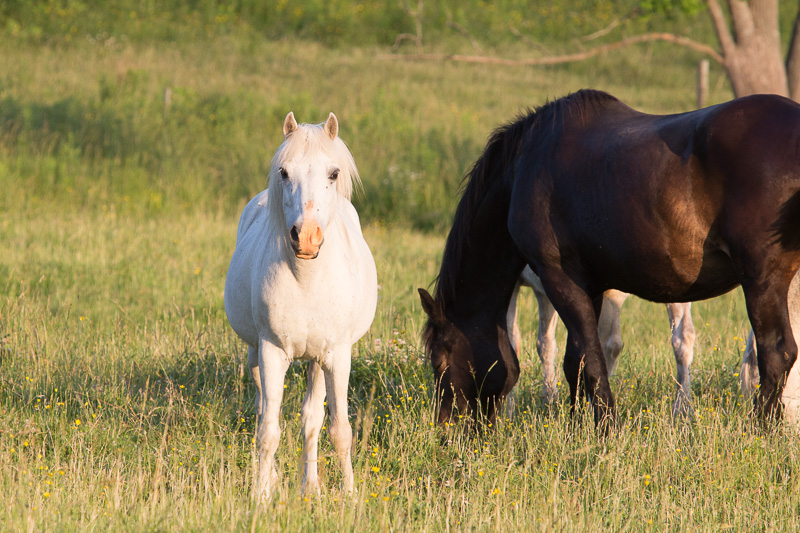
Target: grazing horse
[(594, 195), (302, 285), (608, 329)]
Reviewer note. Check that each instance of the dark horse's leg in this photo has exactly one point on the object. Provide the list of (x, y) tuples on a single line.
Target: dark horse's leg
[(777, 351), (584, 355)]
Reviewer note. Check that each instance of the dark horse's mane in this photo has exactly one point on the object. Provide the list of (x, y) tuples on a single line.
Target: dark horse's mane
[(501, 151)]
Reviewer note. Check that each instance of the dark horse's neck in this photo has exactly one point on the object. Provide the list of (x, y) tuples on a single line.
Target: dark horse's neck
[(479, 287), (481, 264)]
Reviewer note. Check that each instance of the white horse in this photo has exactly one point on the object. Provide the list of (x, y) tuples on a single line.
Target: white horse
[(680, 318), (291, 297)]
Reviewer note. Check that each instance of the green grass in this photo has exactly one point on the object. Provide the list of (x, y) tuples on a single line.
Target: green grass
[(86, 126), (124, 405)]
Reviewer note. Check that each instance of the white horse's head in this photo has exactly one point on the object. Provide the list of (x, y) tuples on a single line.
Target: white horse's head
[(311, 170)]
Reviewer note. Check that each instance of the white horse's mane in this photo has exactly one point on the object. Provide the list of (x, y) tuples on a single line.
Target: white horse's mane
[(311, 138)]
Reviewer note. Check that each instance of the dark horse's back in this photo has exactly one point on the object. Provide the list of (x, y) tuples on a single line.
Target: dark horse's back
[(669, 208)]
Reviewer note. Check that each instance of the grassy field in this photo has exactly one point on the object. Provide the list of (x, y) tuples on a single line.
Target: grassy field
[(124, 401), (125, 405)]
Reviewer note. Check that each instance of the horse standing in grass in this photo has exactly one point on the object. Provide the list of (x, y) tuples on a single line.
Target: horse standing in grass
[(302, 285), (608, 329), (594, 195)]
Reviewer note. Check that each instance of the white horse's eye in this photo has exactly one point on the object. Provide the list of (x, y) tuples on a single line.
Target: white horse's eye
[(334, 174), (283, 173)]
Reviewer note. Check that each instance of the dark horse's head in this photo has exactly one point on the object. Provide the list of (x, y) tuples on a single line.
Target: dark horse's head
[(474, 362), (452, 358)]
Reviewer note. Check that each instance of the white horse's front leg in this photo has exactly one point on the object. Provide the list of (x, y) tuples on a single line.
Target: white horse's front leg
[(546, 345), (337, 376), (272, 365), (252, 363), (791, 391), (683, 336), (748, 375), (313, 413)]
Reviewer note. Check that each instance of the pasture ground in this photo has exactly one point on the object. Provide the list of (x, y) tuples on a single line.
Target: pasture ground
[(125, 405)]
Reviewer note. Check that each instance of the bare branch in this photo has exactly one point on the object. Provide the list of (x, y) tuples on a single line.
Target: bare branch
[(793, 61), (605, 31), (407, 36), (721, 27), (525, 39), (566, 58), (463, 31), (742, 19)]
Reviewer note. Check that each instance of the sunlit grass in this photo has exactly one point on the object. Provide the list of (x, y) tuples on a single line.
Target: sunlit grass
[(138, 413)]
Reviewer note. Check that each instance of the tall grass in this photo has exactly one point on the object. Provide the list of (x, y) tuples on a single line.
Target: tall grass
[(125, 404)]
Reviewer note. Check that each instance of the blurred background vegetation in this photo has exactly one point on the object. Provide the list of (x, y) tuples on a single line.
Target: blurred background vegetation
[(166, 106)]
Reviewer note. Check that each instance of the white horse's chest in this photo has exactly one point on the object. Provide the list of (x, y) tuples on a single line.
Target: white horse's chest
[(305, 316)]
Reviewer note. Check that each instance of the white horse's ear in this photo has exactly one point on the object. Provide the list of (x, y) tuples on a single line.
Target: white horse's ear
[(332, 126), (289, 124)]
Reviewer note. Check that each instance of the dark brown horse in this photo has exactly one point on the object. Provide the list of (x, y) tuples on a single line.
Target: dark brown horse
[(594, 195)]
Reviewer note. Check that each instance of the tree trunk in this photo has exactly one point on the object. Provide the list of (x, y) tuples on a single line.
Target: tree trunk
[(752, 53), (793, 61)]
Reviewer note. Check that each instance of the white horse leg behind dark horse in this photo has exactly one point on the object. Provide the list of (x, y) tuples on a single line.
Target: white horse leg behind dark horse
[(608, 328), (748, 375), (683, 337), (546, 345)]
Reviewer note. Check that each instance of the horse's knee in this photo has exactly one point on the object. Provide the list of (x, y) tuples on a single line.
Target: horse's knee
[(683, 344), (779, 362), (748, 374), (611, 350), (268, 437), (341, 435)]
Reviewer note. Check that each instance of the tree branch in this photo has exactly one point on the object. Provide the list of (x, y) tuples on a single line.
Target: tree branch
[(600, 33), (721, 27), (525, 39), (463, 31), (409, 36), (793, 61), (742, 19), (566, 58)]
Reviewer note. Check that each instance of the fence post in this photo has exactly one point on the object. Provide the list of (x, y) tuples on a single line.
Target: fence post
[(167, 100), (702, 83)]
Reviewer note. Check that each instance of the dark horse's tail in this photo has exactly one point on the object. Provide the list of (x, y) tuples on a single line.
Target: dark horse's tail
[(787, 227)]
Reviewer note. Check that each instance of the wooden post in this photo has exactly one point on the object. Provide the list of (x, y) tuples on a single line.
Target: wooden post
[(702, 83), (167, 100)]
